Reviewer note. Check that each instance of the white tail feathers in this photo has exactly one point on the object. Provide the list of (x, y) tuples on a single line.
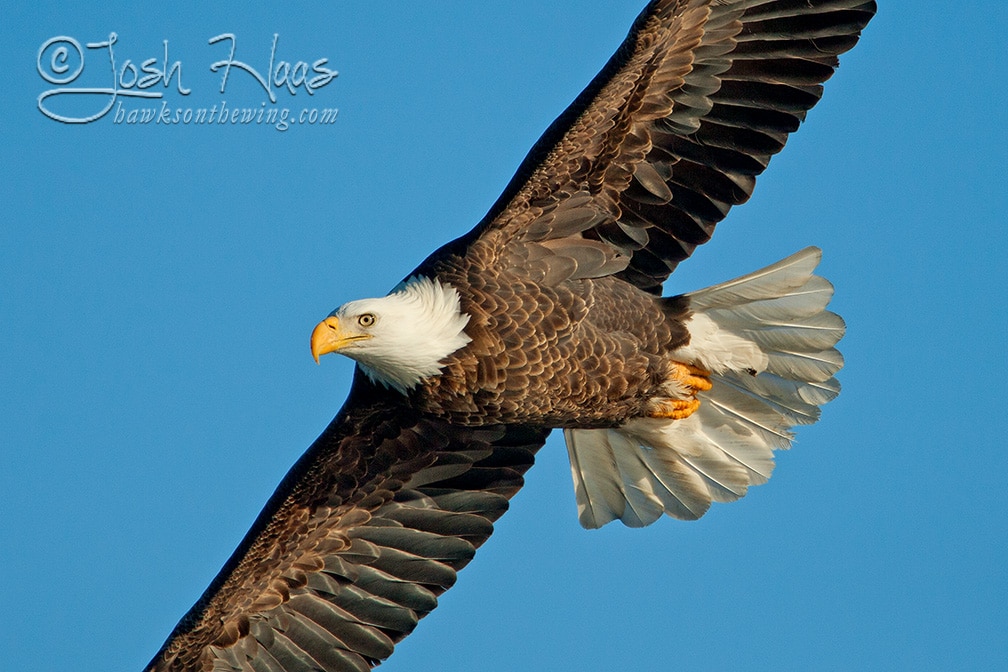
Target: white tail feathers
[(768, 340)]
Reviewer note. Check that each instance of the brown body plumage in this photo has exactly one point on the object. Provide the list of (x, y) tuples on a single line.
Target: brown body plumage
[(558, 288), (575, 353)]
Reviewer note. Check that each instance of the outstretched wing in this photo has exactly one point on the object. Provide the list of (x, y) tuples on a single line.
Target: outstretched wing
[(670, 134), (356, 544)]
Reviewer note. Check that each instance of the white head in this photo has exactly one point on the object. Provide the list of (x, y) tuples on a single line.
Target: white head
[(399, 339)]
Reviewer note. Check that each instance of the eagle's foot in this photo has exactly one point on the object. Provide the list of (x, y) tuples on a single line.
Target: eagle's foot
[(693, 380), (692, 377), (674, 409)]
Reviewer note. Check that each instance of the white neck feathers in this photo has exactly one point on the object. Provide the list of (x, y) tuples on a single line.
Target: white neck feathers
[(417, 326)]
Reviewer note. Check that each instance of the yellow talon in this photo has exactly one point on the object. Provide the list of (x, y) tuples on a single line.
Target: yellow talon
[(695, 380), (675, 409), (699, 383), (685, 408), (692, 376)]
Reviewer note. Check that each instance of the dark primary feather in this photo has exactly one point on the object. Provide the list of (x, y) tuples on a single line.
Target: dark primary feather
[(374, 521)]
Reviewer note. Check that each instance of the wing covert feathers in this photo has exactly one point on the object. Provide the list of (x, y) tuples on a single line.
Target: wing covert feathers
[(671, 134), (768, 340), (356, 545)]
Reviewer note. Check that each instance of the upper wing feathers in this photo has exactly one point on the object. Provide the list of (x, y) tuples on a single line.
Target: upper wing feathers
[(670, 135)]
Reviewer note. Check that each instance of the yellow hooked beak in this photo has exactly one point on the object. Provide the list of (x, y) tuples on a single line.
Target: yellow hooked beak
[(328, 337)]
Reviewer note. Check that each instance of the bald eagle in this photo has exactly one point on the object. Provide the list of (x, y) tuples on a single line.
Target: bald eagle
[(548, 314)]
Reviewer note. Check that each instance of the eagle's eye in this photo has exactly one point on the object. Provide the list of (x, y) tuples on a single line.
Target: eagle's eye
[(366, 320)]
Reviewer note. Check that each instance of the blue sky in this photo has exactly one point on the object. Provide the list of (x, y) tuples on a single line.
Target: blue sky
[(158, 285)]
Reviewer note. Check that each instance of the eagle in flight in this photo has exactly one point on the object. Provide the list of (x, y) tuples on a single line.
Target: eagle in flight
[(548, 314)]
